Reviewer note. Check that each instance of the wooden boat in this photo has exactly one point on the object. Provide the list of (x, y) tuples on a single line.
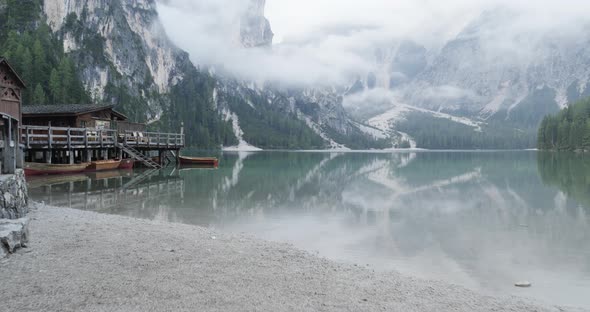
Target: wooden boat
[(103, 165), (32, 169), (127, 164), (199, 161)]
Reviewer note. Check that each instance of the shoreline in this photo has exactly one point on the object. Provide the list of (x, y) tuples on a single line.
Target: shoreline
[(86, 261)]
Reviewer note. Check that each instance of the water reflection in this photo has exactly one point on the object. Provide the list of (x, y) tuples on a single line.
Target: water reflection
[(482, 220)]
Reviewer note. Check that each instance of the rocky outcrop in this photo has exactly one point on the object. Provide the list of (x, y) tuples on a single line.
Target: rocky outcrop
[(14, 234), (14, 206), (14, 198), (119, 45), (126, 59), (255, 30)]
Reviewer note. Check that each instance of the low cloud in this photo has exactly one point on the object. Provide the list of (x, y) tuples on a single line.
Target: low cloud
[(332, 41)]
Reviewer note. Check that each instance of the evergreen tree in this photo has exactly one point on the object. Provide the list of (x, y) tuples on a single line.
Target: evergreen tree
[(55, 86), (39, 95), (568, 130), (40, 68), (67, 79), (27, 72)]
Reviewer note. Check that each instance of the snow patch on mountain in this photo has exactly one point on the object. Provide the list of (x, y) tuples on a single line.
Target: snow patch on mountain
[(242, 146), (386, 121), (333, 145), (372, 131)]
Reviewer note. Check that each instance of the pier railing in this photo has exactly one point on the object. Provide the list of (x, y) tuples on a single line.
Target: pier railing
[(67, 138), (42, 137), (153, 139)]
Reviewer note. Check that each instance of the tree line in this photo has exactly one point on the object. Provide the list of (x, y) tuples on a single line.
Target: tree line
[(440, 133), (567, 130), (37, 55)]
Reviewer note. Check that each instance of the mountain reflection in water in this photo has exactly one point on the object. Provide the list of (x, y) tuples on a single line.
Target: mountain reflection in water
[(483, 220)]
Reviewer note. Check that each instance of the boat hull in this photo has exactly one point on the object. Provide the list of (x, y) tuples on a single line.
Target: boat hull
[(127, 164), (35, 169), (104, 165), (196, 161)]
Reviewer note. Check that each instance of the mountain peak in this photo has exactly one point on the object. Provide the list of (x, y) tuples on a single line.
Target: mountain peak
[(255, 30)]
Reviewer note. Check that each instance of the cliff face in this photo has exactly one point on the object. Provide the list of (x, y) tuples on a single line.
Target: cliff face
[(492, 70), (255, 30), (320, 109), (126, 58), (118, 45)]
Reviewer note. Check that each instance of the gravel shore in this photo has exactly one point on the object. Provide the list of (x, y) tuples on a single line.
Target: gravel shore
[(84, 261)]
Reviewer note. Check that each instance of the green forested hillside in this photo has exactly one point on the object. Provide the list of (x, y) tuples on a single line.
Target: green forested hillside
[(568, 130), (439, 133), (190, 104), (53, 76), (37, 55), (267, 126)]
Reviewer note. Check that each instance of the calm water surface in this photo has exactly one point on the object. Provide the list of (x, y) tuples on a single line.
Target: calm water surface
[(482, 220)]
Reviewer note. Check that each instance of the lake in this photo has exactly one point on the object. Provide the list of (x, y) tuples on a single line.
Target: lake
[(484, 220)]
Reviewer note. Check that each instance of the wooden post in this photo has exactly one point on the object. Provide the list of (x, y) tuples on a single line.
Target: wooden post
[(86, 137), (182, 133), (20, 158), (88, 155), (105, 154), (100, 138), (69, 132), (71, 157), (50, 136), (28, 137)]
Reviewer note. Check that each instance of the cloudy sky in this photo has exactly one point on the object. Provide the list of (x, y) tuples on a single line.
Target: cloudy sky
[(328, 41)]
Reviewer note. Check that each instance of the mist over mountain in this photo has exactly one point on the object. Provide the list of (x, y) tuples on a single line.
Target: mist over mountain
[(321, 74), (482, 65)]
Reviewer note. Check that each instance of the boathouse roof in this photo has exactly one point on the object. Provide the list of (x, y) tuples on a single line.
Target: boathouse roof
[(19, 80), (68, 110)]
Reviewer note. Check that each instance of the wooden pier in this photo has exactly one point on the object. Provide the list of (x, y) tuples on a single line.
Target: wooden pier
[(71, 145), (69, 134), (74, 133)]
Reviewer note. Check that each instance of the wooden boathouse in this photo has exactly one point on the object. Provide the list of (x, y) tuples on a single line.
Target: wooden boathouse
[(73, 133), (11, 86), (78, 133)]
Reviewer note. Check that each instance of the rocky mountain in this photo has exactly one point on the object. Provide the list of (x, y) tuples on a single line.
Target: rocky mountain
[(120, 47), (255, 30), (492, 78), (482, 89), (495, 74), (320, 109), (125, 57)]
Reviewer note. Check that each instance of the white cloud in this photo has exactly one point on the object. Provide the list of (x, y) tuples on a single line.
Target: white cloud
[(329, 41)]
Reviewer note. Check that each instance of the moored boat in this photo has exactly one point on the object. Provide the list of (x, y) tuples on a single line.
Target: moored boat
[(102, 165), (32, 169), (199, 161), (127, 164)]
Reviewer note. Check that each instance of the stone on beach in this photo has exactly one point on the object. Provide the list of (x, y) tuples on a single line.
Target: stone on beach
[(14, 234), (523, 284), (13, 195)]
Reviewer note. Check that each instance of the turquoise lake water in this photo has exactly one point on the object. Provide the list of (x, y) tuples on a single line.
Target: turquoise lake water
[(484, 220)]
